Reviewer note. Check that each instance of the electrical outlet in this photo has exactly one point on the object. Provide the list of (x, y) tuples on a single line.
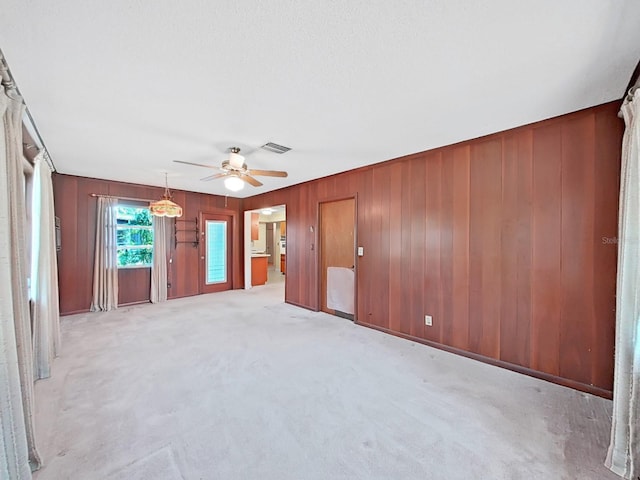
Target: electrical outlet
[(428, 320)]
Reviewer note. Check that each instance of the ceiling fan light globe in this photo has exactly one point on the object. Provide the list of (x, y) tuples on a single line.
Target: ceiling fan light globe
[(236, 160), (234, 184)]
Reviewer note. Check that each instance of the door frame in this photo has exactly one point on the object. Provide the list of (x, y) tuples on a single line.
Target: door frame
[(246, 251), (233, 233), (319, 247)]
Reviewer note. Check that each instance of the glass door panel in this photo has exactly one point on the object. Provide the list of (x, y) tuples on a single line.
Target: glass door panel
[(216, 255)]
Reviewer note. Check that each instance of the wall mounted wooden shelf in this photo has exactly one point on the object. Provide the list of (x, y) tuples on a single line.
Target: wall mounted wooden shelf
[(193, 230)]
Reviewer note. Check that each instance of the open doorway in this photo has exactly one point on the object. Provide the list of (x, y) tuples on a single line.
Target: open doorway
[(265, 247)]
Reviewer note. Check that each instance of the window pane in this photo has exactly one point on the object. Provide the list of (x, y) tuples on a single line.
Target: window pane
[(123, 236), (216, 252), (134, 216), (129, 257), (135, 236)]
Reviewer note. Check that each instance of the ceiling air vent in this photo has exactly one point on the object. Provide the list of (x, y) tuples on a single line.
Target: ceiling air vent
[(275, 148)]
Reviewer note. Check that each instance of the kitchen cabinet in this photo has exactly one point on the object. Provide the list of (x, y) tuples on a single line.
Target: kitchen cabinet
[(255, 226), (283, 229), (259, 269), (282, 263)]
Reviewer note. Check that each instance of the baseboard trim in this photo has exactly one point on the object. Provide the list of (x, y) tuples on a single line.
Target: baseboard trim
[(565, 382), (300, 305), (86, 310), (139, 302), (74, 312)]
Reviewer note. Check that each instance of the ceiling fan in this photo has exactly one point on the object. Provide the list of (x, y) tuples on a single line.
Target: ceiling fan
[(235, 171)]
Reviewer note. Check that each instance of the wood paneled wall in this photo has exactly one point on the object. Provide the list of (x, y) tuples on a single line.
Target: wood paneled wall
[(77, 212), (506, 240)]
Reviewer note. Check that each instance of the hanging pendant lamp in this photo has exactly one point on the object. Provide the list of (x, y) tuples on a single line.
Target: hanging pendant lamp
[(165, 207)]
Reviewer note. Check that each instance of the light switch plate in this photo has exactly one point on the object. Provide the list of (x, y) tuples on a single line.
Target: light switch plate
[(360, 251)]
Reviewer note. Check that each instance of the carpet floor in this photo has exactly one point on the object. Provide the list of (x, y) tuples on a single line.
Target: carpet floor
[(239, 385)]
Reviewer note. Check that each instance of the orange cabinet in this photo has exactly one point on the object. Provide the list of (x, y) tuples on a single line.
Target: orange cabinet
[(282, 263), (255, 226), (258, 270)]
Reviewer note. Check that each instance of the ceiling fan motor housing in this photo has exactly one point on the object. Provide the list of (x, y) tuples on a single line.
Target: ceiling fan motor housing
[(235, 159), (227, 166)]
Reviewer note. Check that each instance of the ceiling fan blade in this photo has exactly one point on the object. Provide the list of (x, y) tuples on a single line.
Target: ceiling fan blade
[(197, 164), (213, 177), (250, 180), (268, 173)]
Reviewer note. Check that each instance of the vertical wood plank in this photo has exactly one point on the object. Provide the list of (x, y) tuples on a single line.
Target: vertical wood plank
[(302, 251), (485, 247), (546, 260), (577, 249), (395, 250), (509, 264), (378, 281), (383, 259), (65, 193), (295, 239), (311, 247), (432, 247), (366, 233), (418, 249), (405, 245), (447, 259), (461, 246), (522, 338), (85, 246), (608, 131)]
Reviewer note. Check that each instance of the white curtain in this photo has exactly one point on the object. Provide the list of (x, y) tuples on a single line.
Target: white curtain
[(623, 456), (105, 265), (17, 439), (44, 272), (159, 266)]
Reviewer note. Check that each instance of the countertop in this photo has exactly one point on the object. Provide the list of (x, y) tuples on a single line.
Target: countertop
[(260, 255)]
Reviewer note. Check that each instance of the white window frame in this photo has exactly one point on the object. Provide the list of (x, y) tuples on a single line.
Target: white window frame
[(134, 227)]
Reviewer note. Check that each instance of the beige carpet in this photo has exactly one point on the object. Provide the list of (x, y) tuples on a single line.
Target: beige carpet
[(239, 385)]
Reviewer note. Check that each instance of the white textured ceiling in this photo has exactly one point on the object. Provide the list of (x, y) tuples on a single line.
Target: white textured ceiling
[(120, 88)]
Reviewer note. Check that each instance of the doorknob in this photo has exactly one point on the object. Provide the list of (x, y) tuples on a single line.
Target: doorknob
[(201, 258)]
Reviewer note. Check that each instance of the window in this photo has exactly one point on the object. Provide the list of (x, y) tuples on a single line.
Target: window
[(216, 251), (31, 227), (135, 236)]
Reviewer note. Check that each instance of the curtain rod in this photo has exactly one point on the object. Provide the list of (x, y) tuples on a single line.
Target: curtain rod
[(9, 83), (122, 198)]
